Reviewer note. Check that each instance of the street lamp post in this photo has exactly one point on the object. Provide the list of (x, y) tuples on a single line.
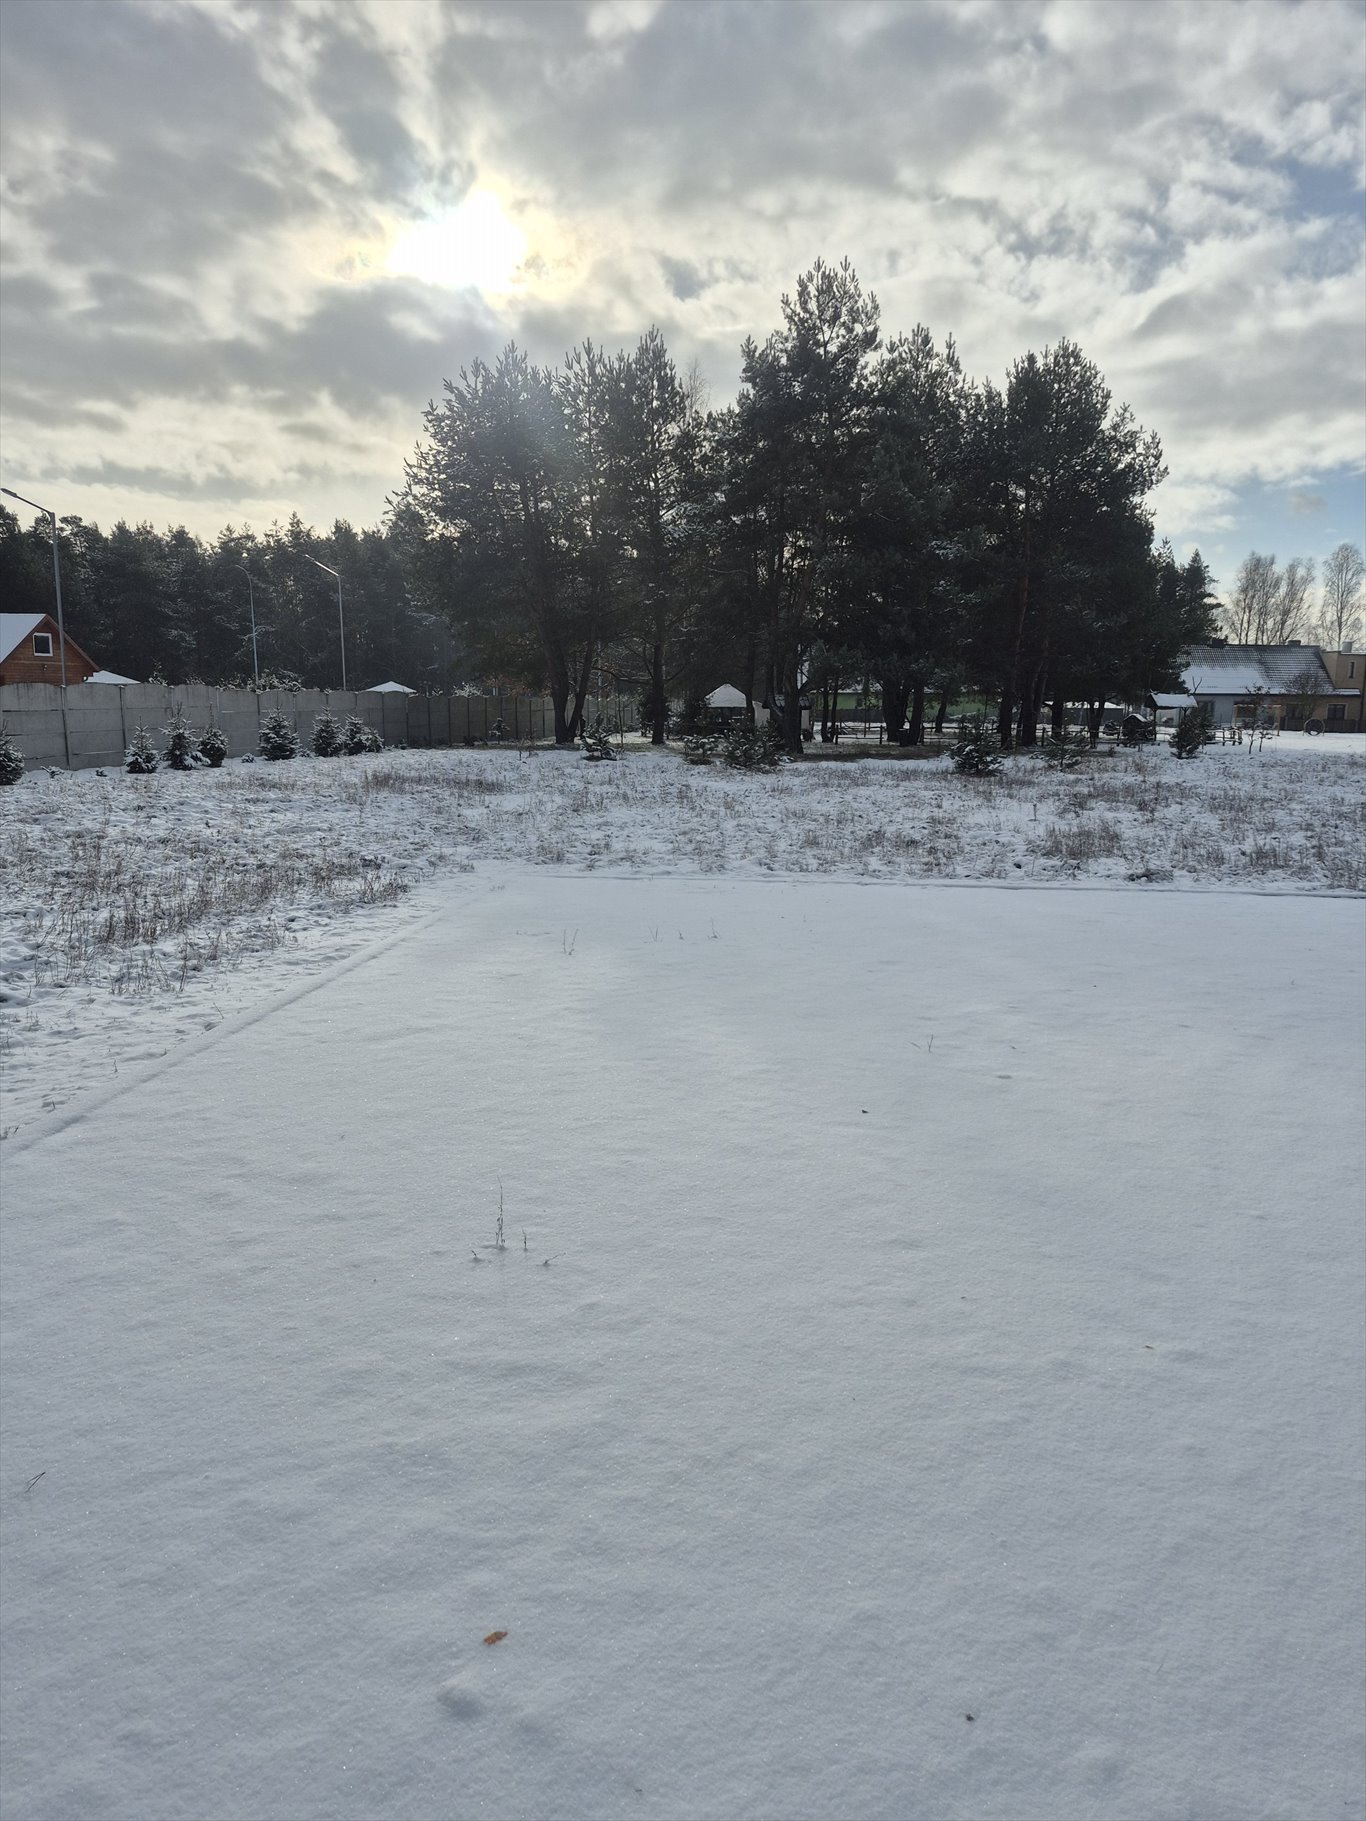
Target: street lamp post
[(61, 623), (341, 623), (251, 607)]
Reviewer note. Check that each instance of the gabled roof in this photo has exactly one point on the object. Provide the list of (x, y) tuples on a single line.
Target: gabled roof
[(727, 696), (15, 628), (389, 689), (1232, 670), (112, 676)]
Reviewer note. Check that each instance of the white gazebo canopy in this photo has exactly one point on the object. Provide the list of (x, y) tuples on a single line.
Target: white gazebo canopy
[(725, 697), (390, 689), (112, 676)]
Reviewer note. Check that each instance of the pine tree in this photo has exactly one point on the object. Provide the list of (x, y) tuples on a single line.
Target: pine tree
[(977, 753), (358, 736), (597, 742), (142, 755), (751, 748), (213, 746), (1065, 750), (278, 739), (180, 745), (11, 759), (326, 740), (1189, 739)]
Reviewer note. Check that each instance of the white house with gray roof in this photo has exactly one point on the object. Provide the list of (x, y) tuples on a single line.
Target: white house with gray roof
[(1292, 683)]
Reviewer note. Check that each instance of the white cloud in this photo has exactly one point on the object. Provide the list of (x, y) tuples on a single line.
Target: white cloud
[(199, 203)]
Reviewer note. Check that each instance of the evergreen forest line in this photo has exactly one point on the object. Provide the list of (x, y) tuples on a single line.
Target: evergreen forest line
[(864, 513)]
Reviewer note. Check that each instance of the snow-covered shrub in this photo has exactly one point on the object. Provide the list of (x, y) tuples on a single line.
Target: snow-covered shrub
[(213, 746), (179, 754), (977, 752), (277, 739), (325, 741), (359, 736), (700, 748), (11, 759), (141, 755), (597, 742), (752, 748), (498, 733)]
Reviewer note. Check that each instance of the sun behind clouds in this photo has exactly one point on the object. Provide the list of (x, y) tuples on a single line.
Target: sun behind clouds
[(471, 247)]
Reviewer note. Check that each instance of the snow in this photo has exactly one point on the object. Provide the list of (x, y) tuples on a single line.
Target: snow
[(945, 1313)]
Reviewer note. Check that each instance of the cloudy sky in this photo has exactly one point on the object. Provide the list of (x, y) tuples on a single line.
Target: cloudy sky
[(245, 242)]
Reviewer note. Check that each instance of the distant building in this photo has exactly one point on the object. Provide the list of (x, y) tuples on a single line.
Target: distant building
[(30, 651), (1290, 684)]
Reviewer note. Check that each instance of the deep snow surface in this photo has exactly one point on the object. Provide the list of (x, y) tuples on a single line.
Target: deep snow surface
[(944, 1399)]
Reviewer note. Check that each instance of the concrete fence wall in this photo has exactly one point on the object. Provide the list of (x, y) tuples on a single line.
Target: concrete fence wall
[(100, 717)]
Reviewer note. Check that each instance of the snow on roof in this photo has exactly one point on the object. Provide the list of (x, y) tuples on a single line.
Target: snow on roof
[(112, 676), (1231, 670), (1173, 701), (725, 697), (389, 689), (15, 628)]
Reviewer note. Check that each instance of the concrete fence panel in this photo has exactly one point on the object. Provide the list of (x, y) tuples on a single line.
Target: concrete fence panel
[(100, 718)]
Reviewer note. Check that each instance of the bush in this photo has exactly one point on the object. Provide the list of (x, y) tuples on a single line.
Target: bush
[(977, 753), (180, 746), (359, 736), (278, 739), (752, 748), (141, 756), (11, 759), (213, 746), (326, 739), (700, 748)]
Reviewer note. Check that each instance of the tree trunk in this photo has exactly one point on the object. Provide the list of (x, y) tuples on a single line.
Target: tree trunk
[(1095, 714), (1005, 719), (1059, 718), (1030, 706), (895, 696), (559, 699), (917, 731), (942, 710), (792, 707), (659, 707)]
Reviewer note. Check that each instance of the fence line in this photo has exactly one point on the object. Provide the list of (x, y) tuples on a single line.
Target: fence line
[(100, 717)]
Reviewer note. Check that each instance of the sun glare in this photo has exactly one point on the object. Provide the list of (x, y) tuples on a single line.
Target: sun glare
[(472, 247)]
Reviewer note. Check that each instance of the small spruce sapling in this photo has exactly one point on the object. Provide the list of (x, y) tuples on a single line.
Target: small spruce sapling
[(180, 746), (278, 739), (325, 742), (11, 759), (597, 742), (1065, 750), (358, 736), (141, 756), (977, 752), (213, 746), (1188, 740), (752, 748)]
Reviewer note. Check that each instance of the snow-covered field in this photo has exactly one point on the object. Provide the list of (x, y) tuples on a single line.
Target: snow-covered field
[(943, 1397), (138, 911)]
